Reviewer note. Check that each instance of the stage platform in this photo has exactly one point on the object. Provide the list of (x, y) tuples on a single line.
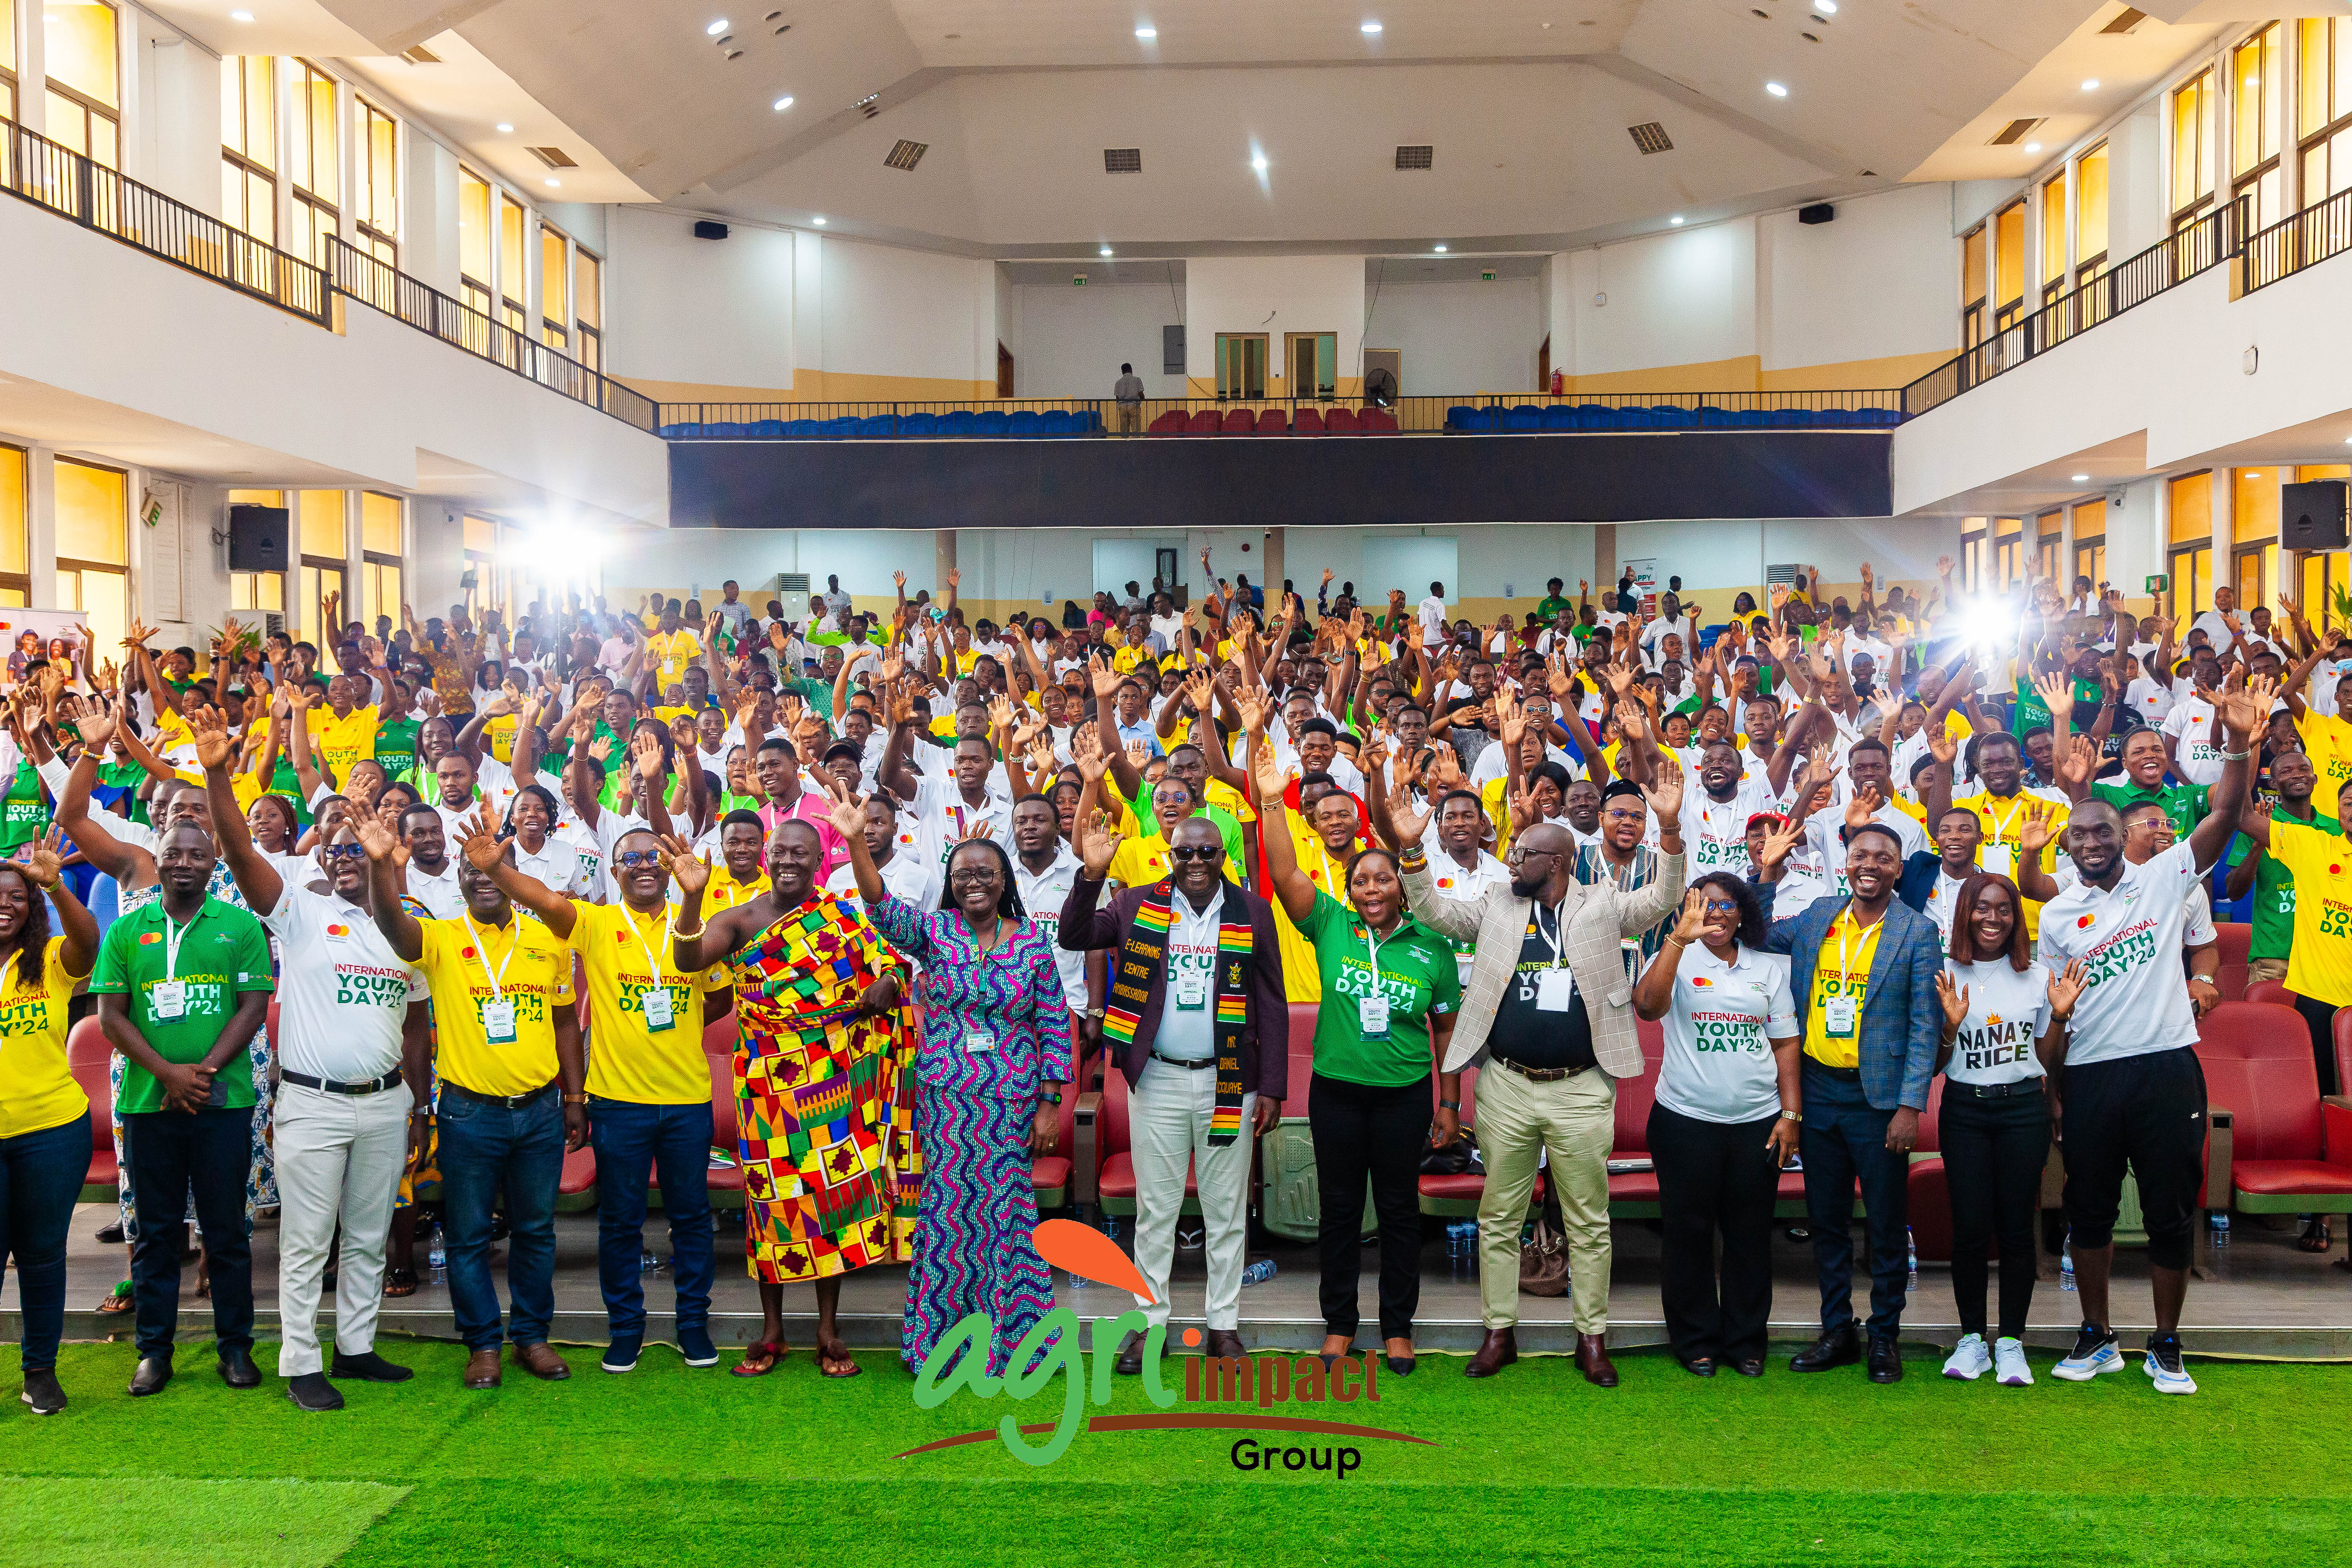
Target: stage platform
[(2256, 1296)]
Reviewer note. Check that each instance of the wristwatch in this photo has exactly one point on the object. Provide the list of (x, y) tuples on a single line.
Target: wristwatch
[(1449, 1105), (1795, 1116), (1050, 1097)]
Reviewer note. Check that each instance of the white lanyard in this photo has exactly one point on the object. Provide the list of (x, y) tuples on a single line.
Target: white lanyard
[(1846, 928), (2001, 825), (653, 964), (482, 946), (173, 936), (1556, 936)]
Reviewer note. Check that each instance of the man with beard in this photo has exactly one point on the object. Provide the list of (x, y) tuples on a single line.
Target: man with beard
[(2261, 872), (1620, 859)]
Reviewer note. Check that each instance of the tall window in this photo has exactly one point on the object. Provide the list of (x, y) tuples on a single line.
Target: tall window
[(481, 563), (1972, 287), (375, 174), (325, 545), (2192, 149), (2053, 237), (15, 586), (254, 592), (85, 96), (2049, 532), (2254, 524), (554, 276), (2090, 214), (380, 557), (1973, 558), (2190, 552), (93, 512), (474, 241), (7, 62), (314, 163), (249, 145), (513, 287), (2091, 544), (2257, 88), (2322, 119), (2009, 266), (588, 302)]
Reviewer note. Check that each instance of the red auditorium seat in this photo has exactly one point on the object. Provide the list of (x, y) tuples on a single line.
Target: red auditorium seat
[(2274, 990), (576, 1189), (1205, 422), (2236, 940), (1272, 422), (1341, 422), (1049, 1172), (1172, 423), (1928, 1202), (2289, 1153), (1240, 422), (727, 1185), (2343, 1047), (1307, 422), (90, 1058), (1115, 1186), (1376, 422)]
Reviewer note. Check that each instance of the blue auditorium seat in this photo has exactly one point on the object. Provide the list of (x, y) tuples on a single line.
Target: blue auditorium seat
[(1667, 416), (1026, 422), (1523, 419), (1595, 416), (681, 432), (1054, 422), (1749, 419), (918, 425), (805, 430), (960, 422), (1559, 416), (992, 423), (768, 429), (1462, 416), (1710, 417), (1086, 422)]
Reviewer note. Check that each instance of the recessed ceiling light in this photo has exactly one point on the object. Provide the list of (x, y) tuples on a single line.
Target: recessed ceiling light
[(1439, 249), (715, 29), (783, 103), (504, 129), (1827, 7), (240, 15), (820, 223), (2080, 479), (1258, 163), (2253, 475), (554, 184), (1147, 34), (1677, 220), (2092, 85), (2034, 147), (1372, 27), (1776, 89), (1106, 251)]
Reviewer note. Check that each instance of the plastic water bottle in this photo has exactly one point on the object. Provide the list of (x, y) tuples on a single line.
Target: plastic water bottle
[(2066, 1262), (2220, 1223), (1911, 1244), (436, 1257), (647, 1261), (1258, 1273), (1110, 1227)]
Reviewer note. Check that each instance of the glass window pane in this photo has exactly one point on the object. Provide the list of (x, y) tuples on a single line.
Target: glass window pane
[(261, 110), (105, 138), (2310, 84), (2340, 50), (553, 275), (511, 261), (2090, 202), (474, 226), (379, 523), (261, 207), (93, 509), (481, 534), (2009, 255), (585, 293), (2246, 101), (1972, 268), (12, 509), (2192, 509), (323, 528), (69, 123), (2274, 81), (8, 37), (80, 38), (319, 175)]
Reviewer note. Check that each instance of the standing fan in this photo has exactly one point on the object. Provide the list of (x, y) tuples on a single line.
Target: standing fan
[(1381, 387)]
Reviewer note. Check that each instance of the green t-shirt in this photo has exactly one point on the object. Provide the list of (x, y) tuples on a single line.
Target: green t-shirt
[(24, 816), (2274, 920), (1417, 976), (125, 777), (817, 694), (395, 745), (2033, 714), (1551, 607), (1228, 829), (285, 782), (222, 952), (2184, 804)]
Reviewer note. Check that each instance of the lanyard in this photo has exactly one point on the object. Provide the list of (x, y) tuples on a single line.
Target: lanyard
[(2001, 825), (173, 936), (1554, 936), (1846, 928), (653, 963), (482, 946), (1372, 946)]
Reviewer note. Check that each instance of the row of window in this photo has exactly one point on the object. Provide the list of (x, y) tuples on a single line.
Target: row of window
[(92, 512), (82, 89)]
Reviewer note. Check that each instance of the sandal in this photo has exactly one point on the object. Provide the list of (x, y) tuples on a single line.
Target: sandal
[(830, 1352), (2317, 1236), (119, 1303), (400, 1282), (768, 1349)]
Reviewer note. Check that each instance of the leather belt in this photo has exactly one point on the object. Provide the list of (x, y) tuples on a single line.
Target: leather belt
[(511, 1102), (1850, 1075), (1995, 1090), (1187, 1065), (1538, 1074), (333, 1086)]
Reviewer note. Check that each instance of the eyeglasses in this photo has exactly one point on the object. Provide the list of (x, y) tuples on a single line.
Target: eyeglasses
[(637, 859), (1521, 852), (1721, 907), (1190, 852), (973, 877), (344, 852)]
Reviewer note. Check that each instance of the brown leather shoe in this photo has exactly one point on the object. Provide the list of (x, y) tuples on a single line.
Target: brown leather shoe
[(1130, 1356), (483, 1369), (1498, 1350), (541, 1363), (1592, 1360), (1226, 1342)]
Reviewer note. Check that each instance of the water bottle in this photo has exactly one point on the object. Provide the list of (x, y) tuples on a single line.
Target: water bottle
[(2066, 1262), (1258, 1273), (1911, 1245), (1110, 1227), (2220, 1223), (436, 1257), (647, 1261)]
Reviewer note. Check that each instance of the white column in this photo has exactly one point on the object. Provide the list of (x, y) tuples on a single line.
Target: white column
[(32, 74), (41, 524), (2225, 512)]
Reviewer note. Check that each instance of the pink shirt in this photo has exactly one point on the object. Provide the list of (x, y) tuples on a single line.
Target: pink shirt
[(816, 811)]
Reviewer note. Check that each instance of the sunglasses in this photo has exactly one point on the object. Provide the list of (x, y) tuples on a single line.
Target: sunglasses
[(1188, 852), (344, 852), (637, 859)]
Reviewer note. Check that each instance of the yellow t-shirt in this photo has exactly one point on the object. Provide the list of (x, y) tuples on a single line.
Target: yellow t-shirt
[(2328, 740), (1141, 862), (1841, 970), (501, 733), (2319, 960), (2000, 821), (1126, 658), (38, 1090), (1302, 974), (628, 1060), (469, 967), (724, 892), (340, 743), (674, 650)]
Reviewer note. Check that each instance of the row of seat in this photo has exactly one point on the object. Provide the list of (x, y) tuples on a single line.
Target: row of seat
[(1334, 421), (961, 422), (1529, 418)]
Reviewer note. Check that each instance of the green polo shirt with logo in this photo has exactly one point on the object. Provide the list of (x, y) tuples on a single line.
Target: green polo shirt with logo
[(395, 745), (1417, 976), (2273, 918), (222, 952), (2183, 803)]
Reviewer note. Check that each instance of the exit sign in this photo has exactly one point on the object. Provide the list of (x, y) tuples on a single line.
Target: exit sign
[(1078, 280), (2158, 584)]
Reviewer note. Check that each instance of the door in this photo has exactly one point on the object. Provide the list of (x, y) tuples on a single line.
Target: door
[(1241, 364), (1004, 371), (1311, 361)]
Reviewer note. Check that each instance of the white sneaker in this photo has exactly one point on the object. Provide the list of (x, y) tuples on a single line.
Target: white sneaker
[(2163, 1363), (2095, 1352), (1970, 1359), (2009, 1366)]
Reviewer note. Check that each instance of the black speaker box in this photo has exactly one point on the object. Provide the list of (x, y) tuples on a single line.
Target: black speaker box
[(2312, 515), (257, 538)]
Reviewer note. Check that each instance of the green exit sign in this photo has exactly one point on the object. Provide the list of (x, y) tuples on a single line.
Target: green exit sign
[(1078, 280), (2158, 582)]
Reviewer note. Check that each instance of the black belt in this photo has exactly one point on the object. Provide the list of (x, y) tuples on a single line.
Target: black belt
[(333, 1086), (511, 1102), (1187, 1065), (1851, 1075), (1994, 1090), (1539, 1075)]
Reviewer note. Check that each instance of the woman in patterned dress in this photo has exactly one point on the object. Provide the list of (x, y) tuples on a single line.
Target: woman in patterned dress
[(989, 1076), (828, 1167)]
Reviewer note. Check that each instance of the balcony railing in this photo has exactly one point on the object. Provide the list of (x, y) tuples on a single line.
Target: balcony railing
[(2292, 244), (2211, 240), (97, 197), (360, 276)]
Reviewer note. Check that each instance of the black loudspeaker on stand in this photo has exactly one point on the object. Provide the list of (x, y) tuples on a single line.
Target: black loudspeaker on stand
[(2312, 515), (257, 538)]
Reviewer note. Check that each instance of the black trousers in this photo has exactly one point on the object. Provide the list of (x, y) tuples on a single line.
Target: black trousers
[(2319, 1018), (172, 1154), (2147, 1114), (1715, 1179), (1360, 1131), (1994, 1152)]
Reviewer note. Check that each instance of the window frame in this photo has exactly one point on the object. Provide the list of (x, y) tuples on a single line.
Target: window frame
[(1974, 277), (2252, 179), (249, 167), (2320, 141), (91, 108), (20, 582), (2199, 200), (382, 243), (322, 216), (588, 337)]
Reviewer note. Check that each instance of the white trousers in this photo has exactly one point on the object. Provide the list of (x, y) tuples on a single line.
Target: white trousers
[(338, 1156), (1168, 1121)]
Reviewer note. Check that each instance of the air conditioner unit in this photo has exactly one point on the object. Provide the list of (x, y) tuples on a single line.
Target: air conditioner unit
[(1782, 578), (792, 583)]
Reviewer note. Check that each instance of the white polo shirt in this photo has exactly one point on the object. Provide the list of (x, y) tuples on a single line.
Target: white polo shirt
[(343, 993), (559, 866), (1720, 1030), (1043, 894), (439, 895), (940, 816), (1715, 832), (2136, 996)]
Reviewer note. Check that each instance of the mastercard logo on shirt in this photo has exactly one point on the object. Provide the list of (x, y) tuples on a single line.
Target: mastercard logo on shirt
[(1445, 881), (1701, 983), (466, 952), (2086, 921), (339, 930), (150, 938)]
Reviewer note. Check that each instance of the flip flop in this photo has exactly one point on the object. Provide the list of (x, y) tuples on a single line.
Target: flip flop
[(119, 1303), (400, 1282), (774, 1352), (826, 1354), (2317, 1237)]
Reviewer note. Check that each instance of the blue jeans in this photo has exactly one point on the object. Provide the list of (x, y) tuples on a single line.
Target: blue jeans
[(1843, 1138), (488, 1151), (41, 1176), (632, 1139), (173, 1154)]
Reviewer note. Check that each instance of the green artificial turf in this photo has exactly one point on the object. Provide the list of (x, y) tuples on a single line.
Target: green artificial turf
[(668, 1466)]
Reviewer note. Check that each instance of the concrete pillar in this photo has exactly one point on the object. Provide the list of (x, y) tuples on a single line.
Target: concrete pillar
[(32, 100), (1273, 565), (2066, 543), (1604, 558), (41, 524), (2225, 513), (943, 559)]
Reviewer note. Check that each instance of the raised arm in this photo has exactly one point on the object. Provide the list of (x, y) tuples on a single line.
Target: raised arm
[(2242, 710), (46, 867), (256, 877), (387, 857)]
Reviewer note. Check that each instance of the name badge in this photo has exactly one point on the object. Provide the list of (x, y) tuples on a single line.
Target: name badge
[(169, 998), (1192, 989), (978, 1040), (658, 1013), (498, 1021), (1837, 1017), (1998, 859), (1372, 1018), (1461, 966), (1555, 989)]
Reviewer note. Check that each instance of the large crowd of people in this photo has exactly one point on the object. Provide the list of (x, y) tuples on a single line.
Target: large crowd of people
[(942, 874)]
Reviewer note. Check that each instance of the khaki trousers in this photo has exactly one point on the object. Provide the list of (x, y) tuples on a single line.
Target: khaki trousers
[(2266, 969), (1576, 1119)]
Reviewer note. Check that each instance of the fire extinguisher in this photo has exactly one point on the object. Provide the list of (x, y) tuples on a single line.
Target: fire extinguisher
[(1559, 382)]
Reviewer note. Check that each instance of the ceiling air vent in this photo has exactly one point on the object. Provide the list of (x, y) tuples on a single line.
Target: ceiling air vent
[(2013, 133), (1651, 138), (905, 155), (869, 106), (2125, 20), (1122, 160), (1415, 157), (554, 157), (418, 54)]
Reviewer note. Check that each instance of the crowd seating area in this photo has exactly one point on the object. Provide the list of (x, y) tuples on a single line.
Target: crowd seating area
[(1338, 420), (958, 422), (1533, 419)]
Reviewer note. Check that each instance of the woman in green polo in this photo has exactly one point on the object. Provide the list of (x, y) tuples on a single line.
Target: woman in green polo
[(1390, 993)]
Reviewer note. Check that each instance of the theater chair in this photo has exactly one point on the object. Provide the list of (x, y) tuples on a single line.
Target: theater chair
[(1050, 1172), (1272, 422), (1376, 422), (2235, 941), (2287, 1150), (1172, 423), (1342, 422), (1634, 1194), (1928, 1200), (1207, 422), (725, 1183), (1308, 422), (2272, 991), (88, 1057)]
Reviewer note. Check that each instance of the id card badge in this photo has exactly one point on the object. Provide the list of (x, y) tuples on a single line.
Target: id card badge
[(1555, 989), (498, 1021), (169, 998), (1192, 990), (1463, 962), (977, 1041), (658, 1013), (1372, 1018), (1837, 1018), (1998, 859)]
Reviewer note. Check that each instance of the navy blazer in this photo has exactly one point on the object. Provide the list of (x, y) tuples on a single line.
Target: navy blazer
[(1902, 1022)]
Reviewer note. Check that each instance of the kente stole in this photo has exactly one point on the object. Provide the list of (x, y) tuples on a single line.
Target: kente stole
[(1143, 958)]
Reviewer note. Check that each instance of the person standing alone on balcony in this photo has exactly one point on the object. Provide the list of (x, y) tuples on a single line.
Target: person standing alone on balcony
[(1129, 393)]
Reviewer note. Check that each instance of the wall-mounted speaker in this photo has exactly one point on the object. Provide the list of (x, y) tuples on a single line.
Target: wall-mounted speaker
[(2312, 515), (1820, 212), (257, 538), (706, 229)]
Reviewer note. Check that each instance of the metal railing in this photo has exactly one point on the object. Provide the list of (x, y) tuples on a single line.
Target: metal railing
[(2172, 261), (88, 193), (372, 282), (2292, 244)]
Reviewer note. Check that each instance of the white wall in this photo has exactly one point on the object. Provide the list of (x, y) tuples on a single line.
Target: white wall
[(888, 312), (1684, 298), (1273, 295), (1073, 340), (1880, 279), (1459, 337), (682, 309)]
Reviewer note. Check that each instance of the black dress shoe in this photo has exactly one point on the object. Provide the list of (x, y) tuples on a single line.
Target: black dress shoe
[(312, 1392), (369, 1367), (111, 1235), (1748, 1366), (1227, 1343), (1841, 1346), (236, 1368), (1885, 1359), (1700, 1366), (1131, 1357), (154, 1372)]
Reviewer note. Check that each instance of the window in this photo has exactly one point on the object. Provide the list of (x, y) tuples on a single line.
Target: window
[(375, 179), (313, 162), (554, 310), (2323, 120), (249, 145), (1972, 287), (474, 244), (85, 86), (1972, 554), (254, 592), (2050, 540), (323, 545), (2009, 266), (2255, 87), (2053, 237), (2255, 522), (481, 563), (15, 586), (1311, 363), (2008, 552), (2090, 214), (513, 285), (588, 300), (2192, 149), (2189, 555), (2091, 545), (8, 63), (380, 547), (93, 518), (1241, 364)]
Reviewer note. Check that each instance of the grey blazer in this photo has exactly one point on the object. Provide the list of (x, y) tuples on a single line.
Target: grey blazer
[(1596, 919)]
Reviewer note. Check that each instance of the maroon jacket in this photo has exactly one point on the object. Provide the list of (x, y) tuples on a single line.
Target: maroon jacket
[(1266, 1037)]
